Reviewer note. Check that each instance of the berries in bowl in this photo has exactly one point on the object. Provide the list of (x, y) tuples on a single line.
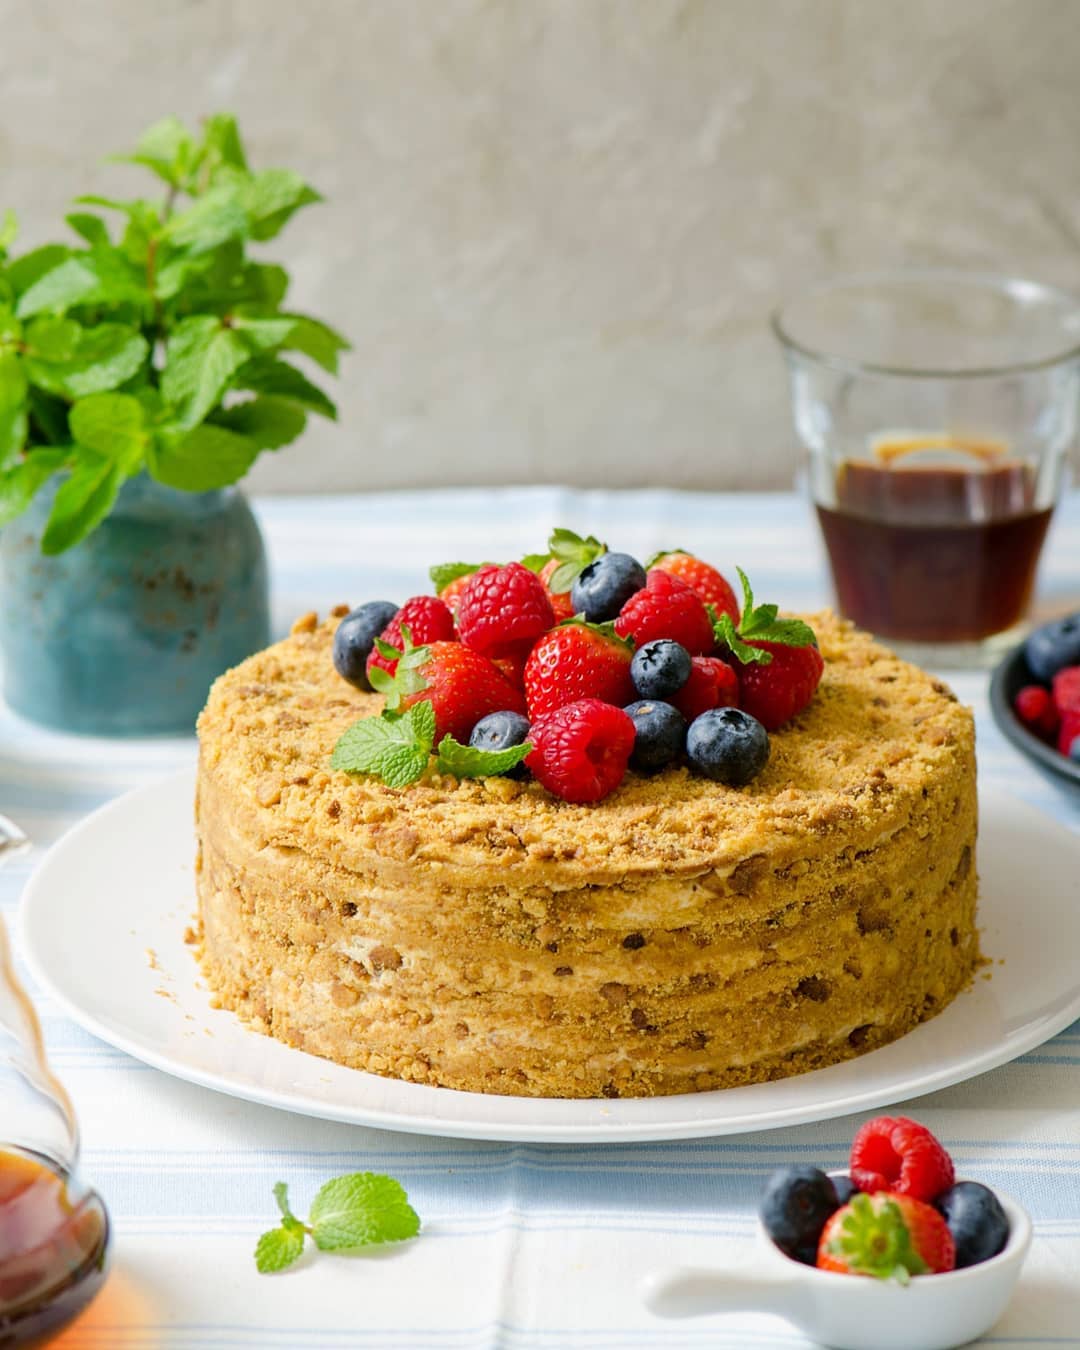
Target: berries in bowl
[(1035, 698), (918, 1261)]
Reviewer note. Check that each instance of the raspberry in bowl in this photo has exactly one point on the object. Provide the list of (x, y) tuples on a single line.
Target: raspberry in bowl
[(878, 1270), (1035, 699)]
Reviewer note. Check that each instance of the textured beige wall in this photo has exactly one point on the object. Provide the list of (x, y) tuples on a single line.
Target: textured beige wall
[(557, 226)]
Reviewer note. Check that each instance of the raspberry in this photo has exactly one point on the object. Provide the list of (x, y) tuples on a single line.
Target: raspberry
[(501, 607), (900, 1155), (702, 578), (667, 608), (776, 692), (1034, 707), (1067, 690), (578, 660), (580, 751), (427, 619), (712, 684)]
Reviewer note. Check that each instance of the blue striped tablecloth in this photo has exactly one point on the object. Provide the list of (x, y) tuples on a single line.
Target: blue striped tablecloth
[(530, 1245)]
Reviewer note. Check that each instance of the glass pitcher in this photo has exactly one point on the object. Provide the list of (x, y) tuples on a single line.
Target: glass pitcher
[(54, 1231)]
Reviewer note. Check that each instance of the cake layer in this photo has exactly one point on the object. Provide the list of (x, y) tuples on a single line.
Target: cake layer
[(681, 935)]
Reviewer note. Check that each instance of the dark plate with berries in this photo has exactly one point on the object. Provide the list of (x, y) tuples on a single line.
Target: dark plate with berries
[(1030, 693)]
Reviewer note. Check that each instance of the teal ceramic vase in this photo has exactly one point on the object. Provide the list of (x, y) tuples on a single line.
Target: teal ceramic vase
[(124, 634)]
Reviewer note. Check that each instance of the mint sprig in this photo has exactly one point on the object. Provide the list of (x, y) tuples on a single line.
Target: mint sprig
[(467, 761), (362, 1209), (406, 679), (574, 555), (395, 746), (759, 623)]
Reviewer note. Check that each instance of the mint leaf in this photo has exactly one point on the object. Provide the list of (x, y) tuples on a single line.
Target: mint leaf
[(165, 148), (13, 423), (359, 1210), (281, 1198), (264, 375), (200, 460), (222, 144), (442, 574), (112, 424), (73, 281), (574, 555), (9, 230), (53, 339), (25, 271), (91, 227), (316, 340), (82, 502), (212, 220), (201, 358), (278, 1249), (271, 198), (466, 761), (393, 747), (759, 623), (18, 485), (269, 422), (261, 334), (106, 357)]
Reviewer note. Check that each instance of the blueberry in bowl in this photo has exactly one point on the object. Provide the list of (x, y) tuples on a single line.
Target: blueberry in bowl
[(1042, 662)]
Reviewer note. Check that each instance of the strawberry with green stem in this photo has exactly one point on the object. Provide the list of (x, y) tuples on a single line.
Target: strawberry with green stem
[(780, 666), (888, 1237)]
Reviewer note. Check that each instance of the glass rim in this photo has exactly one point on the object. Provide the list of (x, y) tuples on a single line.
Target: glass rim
[(1002, 282)]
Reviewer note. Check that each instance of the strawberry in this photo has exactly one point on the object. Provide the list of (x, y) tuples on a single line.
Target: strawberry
[(1035, 707), (667, 608), (426, 618), (462, 686), (712, 684), (888, 1236), (900, 1155), (560, 600), (449, 581), (578, 660), (1067, 690), (512, 662), (702, 578), (502, 607), (581, 749), (450, 594), (780, 666)]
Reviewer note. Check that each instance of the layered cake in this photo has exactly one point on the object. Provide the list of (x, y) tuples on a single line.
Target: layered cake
[(681, 934)]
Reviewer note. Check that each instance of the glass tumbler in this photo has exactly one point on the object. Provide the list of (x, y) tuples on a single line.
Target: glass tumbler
[(937, 409), (54, 1231)]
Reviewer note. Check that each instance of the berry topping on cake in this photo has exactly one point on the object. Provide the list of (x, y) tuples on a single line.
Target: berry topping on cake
[(728, 745), (660, 669), (427, 619), (449, 581), (561, 605), (1053, 646), (796, 1204), (578, 660), (976, 1220), (1035, 707), (887, 1236), (777, 692), (667, 608), (702, 578), (900, 1155), (581, 750), (355, 638), (712, 684), (499, 731), (460, 684), (604, 586), (501, 608), (659, 734)]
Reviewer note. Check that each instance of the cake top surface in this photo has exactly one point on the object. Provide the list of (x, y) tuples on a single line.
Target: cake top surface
[(876, 734)]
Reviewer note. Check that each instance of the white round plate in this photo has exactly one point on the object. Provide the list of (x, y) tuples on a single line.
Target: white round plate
[(103, 922)]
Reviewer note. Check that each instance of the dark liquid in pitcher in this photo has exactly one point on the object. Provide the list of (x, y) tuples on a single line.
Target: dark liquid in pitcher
[(53, 1244), (934, 554)]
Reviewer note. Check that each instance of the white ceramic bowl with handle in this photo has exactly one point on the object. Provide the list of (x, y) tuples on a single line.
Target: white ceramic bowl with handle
[(854, 1312)]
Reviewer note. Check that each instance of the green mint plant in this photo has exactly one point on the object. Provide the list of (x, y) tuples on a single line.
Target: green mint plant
[(156, 343), (759, 623), (362, 1209)]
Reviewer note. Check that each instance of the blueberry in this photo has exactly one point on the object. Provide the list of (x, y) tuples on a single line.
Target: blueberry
[(499, 731), (727, 744), (605, 585), (660, 668), (845, 1188), (976, 1220), (659, 733), (355, 637), (795, 1207), (1053, 647)]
